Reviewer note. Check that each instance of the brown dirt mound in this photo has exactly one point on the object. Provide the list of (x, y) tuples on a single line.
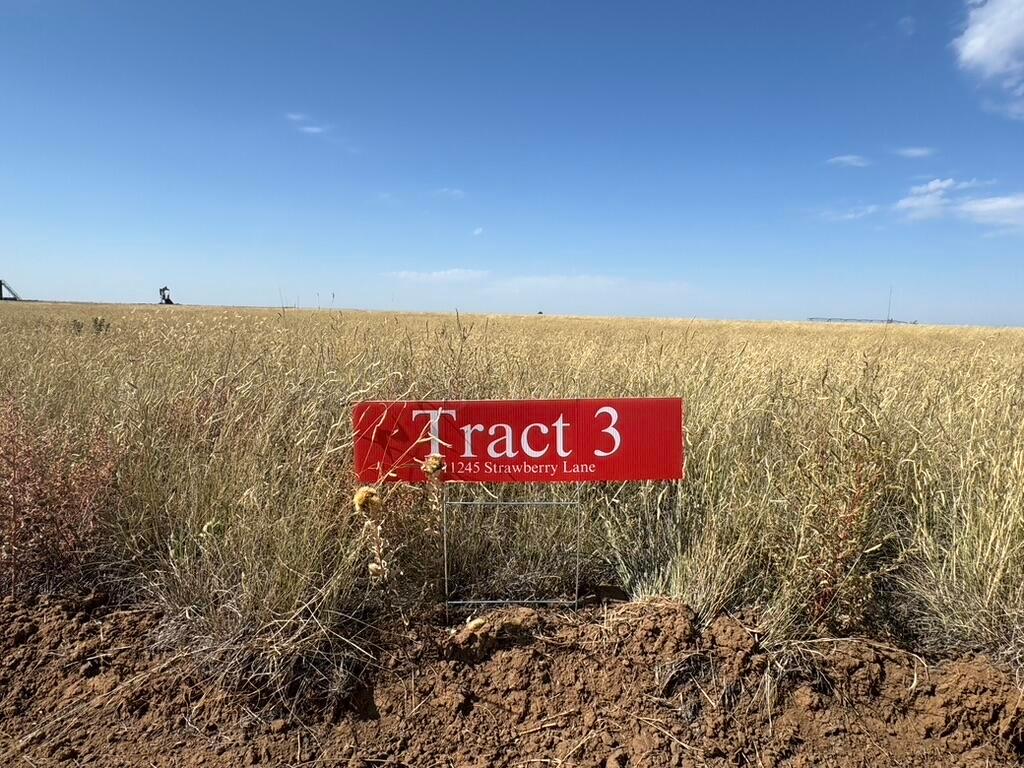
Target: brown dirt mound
[(634, 685)]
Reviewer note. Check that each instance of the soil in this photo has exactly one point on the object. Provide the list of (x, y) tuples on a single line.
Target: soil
[(617, 686)]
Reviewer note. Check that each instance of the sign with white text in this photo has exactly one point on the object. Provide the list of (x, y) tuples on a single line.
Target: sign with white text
[(521, 441)]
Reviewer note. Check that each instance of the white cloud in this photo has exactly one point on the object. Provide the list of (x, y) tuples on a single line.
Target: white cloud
[(305, 124), (937, 199), (914, 153), (907, 25), (851, 214), (1006, 212), (992, 47), (935, 185), (849, 161), (478, 231), (927, 201), (452, 193), (438, 277), (972, 183)]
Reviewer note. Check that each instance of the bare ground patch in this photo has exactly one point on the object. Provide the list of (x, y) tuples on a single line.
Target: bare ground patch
[(630, 685)]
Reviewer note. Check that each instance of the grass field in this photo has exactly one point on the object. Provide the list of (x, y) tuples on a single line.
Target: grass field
[(841, 480)]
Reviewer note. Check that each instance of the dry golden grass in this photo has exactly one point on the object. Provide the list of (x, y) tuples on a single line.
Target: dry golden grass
[(840, 479)]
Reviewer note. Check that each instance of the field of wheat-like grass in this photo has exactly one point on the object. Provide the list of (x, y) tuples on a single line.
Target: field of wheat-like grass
[(841, 480)]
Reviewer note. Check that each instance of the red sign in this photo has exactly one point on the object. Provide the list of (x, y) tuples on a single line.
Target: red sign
[(521, 441)]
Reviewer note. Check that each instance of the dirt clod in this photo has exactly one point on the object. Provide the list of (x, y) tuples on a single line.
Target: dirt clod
[(481, 636)]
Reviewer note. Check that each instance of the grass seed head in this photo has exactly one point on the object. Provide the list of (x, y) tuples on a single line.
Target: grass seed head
[(433, 464), (367, 501)]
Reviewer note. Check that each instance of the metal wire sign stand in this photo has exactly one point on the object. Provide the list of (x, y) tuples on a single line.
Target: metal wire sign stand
[(512, 507), (483, 442)]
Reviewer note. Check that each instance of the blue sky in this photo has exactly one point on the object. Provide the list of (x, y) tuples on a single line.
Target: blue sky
[(728, 159)]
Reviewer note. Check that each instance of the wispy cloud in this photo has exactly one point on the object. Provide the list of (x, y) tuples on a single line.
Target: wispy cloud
[(851, 214), (1006, 212), (440, 277), (992, 47), (849, 161), (452, 193), (907, 25), (478, 231), (915, 153), (305, 124), (938, 198), (927, 201), (974, 183)]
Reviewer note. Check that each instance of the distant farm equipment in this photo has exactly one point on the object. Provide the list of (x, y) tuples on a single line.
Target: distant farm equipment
[(165, 295), (888, 321), (7, 293)]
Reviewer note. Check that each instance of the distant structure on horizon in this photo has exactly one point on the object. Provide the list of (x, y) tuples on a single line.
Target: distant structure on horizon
[(889, 321), (888, 317), (165, 295), (13, 294)]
